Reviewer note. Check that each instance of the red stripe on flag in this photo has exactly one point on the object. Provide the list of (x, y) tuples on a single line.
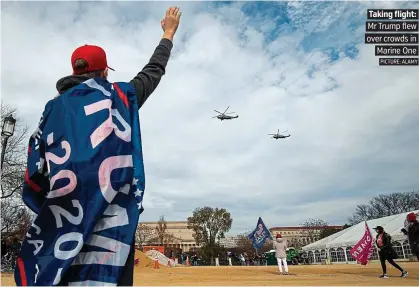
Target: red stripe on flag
[(32, 184), (121, 94), (22, 272)]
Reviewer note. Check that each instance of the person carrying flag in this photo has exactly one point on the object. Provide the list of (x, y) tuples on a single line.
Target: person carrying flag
[(280, 246), (386, 252), (85, 175)]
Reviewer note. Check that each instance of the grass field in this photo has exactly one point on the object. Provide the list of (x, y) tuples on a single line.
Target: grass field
[(349, 275)]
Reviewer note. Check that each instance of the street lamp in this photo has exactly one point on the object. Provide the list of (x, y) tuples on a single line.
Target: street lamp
[(7, 131)]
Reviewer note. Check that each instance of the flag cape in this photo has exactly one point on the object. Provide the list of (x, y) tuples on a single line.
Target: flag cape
[(85, 181), (259, 235), (364, 249)]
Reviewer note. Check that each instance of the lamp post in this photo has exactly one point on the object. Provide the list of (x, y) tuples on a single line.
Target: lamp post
[(7, 131)]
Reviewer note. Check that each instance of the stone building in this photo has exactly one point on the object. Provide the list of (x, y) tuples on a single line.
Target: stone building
[(182, 236)]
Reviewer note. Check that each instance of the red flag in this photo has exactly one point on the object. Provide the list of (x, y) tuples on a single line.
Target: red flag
[(364, 249)]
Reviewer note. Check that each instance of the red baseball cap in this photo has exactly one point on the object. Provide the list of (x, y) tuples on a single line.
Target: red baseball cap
[(411, 217), (95, 56)]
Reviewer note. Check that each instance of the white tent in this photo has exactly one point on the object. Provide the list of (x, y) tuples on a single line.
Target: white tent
[(337, 245)]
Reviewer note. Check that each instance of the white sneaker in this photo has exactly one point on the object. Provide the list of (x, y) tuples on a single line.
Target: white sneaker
[(384, 276)]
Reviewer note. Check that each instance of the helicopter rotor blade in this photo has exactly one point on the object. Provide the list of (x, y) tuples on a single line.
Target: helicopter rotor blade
[(217, 112), (226, 110)]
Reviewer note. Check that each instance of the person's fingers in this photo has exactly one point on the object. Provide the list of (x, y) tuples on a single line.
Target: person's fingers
[(178, 15), (168, 11), (175, 11)]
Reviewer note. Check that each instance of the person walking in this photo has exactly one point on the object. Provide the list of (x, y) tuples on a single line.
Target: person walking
[(280, 246), (411, 230), (86, 219), (386, 252)]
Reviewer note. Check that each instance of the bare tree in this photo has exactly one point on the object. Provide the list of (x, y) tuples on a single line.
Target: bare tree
[(143, 234), (294, 242), (386, 205), (16, 218), (313, 228), (13, 172), (161, 235)]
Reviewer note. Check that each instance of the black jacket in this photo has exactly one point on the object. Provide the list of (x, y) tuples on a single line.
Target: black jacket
[(413, 235), (386, 250), (386, 242), (144, 83)]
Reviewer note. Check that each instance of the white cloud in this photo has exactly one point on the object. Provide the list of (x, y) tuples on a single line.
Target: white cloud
[(352, 124)]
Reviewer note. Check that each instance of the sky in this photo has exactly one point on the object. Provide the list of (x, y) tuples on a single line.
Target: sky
[(296, 66)]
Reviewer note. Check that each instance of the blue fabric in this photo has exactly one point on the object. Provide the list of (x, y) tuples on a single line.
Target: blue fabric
[(85, 180), (259, 235)]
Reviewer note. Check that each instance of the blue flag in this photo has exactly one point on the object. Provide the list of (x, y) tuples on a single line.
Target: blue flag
[(85, 181), (259, 235)]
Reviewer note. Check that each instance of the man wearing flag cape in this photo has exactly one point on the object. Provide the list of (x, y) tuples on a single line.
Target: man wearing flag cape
[(85, 176)]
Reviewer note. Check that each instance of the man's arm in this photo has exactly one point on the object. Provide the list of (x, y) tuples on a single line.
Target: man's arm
[(147, 80)]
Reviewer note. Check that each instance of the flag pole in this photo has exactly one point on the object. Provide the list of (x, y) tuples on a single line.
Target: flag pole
[(373, 244)]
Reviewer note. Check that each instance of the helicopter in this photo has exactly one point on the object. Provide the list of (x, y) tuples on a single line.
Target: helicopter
[(279, 136), (225, 116)]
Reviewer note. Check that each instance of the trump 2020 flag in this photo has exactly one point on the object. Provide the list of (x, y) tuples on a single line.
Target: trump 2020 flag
[(364, 249), (85, 181), (259, 235)]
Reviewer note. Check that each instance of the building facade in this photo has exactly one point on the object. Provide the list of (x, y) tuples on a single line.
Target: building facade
[(182, 237), (229, 241), (301, 235)]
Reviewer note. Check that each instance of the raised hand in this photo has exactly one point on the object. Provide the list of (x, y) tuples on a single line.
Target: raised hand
[(170, 22)]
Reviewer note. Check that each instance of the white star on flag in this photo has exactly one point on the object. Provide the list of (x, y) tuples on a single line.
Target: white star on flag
[(137, 192)]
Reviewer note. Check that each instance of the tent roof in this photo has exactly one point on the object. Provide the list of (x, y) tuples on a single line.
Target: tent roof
[(350, 236)]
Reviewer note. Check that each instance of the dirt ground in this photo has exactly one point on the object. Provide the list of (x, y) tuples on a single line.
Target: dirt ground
[(303, 275)]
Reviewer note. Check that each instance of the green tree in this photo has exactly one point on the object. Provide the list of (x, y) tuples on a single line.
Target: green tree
[(209, 224)]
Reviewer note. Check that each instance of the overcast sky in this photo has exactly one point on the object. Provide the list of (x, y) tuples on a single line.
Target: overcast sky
[(300, 67)]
